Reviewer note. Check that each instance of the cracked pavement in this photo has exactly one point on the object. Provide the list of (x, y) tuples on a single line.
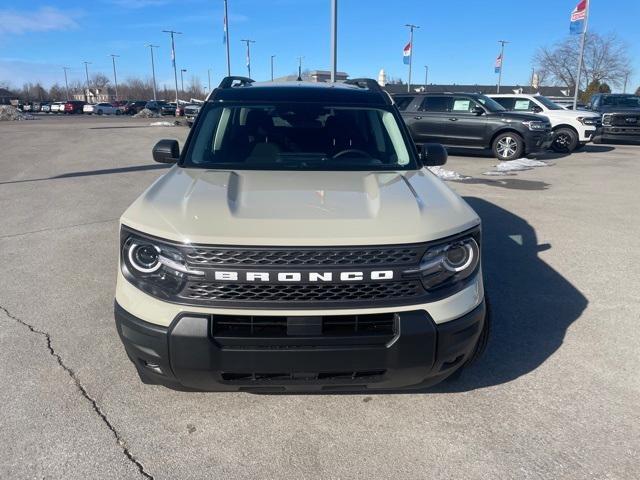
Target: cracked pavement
[(556, 395)]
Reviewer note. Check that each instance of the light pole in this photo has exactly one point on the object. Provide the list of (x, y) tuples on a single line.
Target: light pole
[(411, 28), (115, 76), (182, 71), (66, 83), (226, 37), (426, 76), (334, 40), (173, 57), (502, 43), (248, 42), (209, 78), (86, 71), (153, 70), (300, 68), (272, 57)]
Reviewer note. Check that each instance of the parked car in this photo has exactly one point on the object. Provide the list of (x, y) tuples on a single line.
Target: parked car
[(133, 107), (300, 244), (620, 116), (473, 121), (102, 108), (74, 106), (26, 107), (191, 112), (36, 106), (57, 107), (161, 107), (572, 129), (45, 107)]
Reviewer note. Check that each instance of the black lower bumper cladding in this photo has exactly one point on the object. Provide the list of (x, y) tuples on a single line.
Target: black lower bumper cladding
[(414, 353)]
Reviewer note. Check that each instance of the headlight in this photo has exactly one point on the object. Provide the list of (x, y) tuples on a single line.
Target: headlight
[(589, 120), (153, 266), (450, 262), (535, 125)]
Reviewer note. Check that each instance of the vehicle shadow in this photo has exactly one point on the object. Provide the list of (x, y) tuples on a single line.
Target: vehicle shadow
[(589, 149), (90, 173), (532, 304)]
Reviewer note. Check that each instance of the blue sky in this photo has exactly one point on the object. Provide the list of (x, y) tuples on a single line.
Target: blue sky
[(457, 38)]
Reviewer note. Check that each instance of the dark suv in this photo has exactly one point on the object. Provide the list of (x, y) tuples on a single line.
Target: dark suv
[(620, 116), (470, 120), (133, 107)]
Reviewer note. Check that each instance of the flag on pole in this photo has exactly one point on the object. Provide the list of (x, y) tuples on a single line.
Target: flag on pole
[(498, 63), (224, 28), (406, 54), (578, 17)]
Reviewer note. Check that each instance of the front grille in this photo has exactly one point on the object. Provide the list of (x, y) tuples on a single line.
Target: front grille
[(621, 120), (405, 255), (249, 326), (321, 293), (261, 378)]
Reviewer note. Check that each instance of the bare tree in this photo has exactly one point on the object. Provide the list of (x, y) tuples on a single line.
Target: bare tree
[(99, 80), (638, 91), (605, 60)]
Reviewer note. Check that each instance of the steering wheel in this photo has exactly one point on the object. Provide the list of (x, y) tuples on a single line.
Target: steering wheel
[(350, 151)]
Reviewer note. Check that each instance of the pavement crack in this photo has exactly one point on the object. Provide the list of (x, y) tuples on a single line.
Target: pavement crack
[(119, 440)]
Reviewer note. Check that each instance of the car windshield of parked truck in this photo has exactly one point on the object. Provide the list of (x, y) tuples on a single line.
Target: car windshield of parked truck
[(489, 103), (630, 101), (298, 136), (548, 103)]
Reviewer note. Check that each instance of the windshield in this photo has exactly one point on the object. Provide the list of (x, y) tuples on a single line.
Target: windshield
[(490, 103), (631, 101), (548, 103), (301, 136)]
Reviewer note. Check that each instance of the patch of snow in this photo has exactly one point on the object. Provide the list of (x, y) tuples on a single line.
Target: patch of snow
[(494, 173), (162, 124), (146, 113), (9, 113), (519, 164), (444, 174)]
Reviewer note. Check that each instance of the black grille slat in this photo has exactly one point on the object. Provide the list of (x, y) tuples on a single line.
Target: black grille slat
[(356, 292), (305, 257), (247, 326)]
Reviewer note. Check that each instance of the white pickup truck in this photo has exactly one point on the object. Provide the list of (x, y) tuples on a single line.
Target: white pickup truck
[(572, 129)]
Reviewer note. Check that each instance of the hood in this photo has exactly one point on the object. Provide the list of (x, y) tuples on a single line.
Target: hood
[(283, 208), (518, 117), (571, 114)]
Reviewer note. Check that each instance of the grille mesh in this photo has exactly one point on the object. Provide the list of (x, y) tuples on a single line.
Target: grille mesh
[(373, 292), (306, 257)]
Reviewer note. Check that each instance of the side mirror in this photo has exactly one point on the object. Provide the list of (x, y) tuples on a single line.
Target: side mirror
[(477, 110), (166, 151), (433, 155), (536, 109)]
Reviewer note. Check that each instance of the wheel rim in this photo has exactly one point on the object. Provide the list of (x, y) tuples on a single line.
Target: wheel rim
[(563, 140), (507, 146)]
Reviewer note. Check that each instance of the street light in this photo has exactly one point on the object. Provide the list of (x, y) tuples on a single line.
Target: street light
[(86, 71), (66, 83), (248, 42), (334, 40), (115, 76), (153, 70), (182, 70), (173, 57), (426, 76), (272, 57)]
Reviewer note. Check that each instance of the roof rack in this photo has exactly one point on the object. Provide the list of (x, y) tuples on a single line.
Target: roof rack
[(372, 85), (228, 82)]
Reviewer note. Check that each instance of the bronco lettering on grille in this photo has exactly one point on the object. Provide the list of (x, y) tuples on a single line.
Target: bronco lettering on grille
[(245, 276)]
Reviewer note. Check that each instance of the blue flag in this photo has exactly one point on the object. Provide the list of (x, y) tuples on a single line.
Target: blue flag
[(578, 17)]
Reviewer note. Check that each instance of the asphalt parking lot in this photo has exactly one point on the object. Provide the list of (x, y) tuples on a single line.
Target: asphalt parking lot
[(555, 396)]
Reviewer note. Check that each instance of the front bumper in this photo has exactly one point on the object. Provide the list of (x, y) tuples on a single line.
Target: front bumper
[(624, 134), (188, 354), (536, 142)]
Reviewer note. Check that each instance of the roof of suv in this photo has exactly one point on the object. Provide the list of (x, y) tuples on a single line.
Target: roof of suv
[(317, 92)]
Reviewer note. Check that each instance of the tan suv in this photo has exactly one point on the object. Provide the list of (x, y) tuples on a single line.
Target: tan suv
[(298, 243)]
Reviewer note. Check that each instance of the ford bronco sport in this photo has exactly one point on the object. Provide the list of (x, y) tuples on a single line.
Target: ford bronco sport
[(298, 243)]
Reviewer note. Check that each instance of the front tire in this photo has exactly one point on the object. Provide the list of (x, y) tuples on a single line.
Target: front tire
[(99, 112), (565, 140), (508, 146)]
